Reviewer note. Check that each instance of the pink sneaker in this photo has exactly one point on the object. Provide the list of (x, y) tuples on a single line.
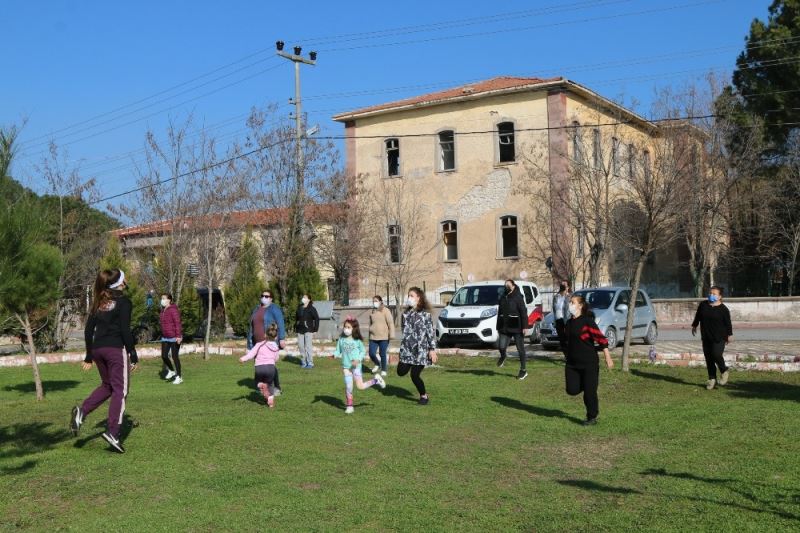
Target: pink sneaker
[(271, 401)]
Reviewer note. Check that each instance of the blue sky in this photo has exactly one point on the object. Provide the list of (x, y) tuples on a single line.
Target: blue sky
[(68, 62)]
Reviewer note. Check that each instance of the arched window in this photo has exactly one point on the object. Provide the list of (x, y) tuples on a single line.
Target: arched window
[(450, 240), (577, 142), (505, 139), (447, 150), (395, 244)]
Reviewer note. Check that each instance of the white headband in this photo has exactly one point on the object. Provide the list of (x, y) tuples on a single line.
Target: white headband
[(119, 282)]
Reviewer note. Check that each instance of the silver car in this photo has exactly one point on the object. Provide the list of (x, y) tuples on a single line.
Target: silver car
[(610, 306)]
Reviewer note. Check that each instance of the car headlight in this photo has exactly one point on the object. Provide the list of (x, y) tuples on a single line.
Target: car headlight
[(443, 313), (489, 313)]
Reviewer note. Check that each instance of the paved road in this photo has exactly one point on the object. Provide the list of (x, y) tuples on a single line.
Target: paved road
[(739, 334)]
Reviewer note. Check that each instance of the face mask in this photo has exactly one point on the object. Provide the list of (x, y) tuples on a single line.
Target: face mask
[(376, 305), (573, 309), (411, 302), (347, 331), (305, 301), (713, 298), (508, 289), (265, 300), (164, 303)]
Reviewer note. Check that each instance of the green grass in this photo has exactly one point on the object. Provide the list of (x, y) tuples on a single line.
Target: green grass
[(488, 453)]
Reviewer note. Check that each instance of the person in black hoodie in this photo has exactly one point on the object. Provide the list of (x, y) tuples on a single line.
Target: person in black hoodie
[(108, 337), (716, 331), (306, 324), (582, 371), (512, 319)]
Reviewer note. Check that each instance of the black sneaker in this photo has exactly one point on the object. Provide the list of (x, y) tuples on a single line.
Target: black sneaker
[(522, 375), (114, 442), (501, 361), (423, 400), (75, 420), (589, 422)]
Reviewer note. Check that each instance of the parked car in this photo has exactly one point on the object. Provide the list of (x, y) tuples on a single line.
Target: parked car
[(471, 315), (610, 306)]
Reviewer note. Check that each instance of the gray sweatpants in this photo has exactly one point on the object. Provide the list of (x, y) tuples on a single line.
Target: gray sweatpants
[(304, 344)]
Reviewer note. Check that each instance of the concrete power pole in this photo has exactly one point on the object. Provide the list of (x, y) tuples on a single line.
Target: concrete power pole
[(297, 59)]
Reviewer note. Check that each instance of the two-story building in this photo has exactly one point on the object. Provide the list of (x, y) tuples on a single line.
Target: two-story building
[(466, 158)]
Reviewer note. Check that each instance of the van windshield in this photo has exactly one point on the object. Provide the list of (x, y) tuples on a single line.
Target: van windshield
[(597, 299), (478, 295)]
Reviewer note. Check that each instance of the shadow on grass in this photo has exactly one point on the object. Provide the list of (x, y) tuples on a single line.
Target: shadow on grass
[(19, 440), (128, 424), (338, 403), (662, 377), (480, 372), (764, 498), (596, 487), (20, 469), (293, 360), (538, 411), (48, 386), (399, 392), (763, 390)]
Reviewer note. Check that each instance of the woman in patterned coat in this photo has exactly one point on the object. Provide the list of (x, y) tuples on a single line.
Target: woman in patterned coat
[(418, 347)]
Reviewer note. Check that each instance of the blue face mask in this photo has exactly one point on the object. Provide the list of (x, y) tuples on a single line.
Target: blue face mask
[(713, 298)]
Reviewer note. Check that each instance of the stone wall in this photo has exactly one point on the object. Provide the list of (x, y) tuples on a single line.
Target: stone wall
[(784, 309)]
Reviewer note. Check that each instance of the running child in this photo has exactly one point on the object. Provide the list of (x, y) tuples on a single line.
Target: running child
[(266, 356), (350, 349)]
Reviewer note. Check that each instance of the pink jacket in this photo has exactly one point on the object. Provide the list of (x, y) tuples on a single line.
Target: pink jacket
[(265, 353), (170, 318)]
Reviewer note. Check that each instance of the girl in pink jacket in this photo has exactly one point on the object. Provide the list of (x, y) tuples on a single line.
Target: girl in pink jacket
[(266, 356)]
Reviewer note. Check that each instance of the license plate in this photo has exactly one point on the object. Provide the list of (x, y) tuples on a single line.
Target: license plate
[(459, 331)]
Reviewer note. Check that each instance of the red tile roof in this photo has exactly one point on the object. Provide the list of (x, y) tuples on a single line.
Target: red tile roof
[(236, 219), (500, 83)]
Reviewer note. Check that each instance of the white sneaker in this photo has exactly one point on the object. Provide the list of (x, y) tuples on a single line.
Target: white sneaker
[(710, 384), (376, 370), (170, 375), (723, 379), (380, 381), (276, 392), (349, 410), (383, 374), (177, 381)]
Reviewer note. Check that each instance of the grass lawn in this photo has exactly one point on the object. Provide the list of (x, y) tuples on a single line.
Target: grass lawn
[(488, 453)]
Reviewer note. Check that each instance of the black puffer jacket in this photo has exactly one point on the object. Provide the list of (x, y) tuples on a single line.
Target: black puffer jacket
[(512, 315), (306, 319)]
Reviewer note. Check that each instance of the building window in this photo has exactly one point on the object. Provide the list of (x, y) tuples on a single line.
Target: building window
[(505, 134), (393, 157), (646, 165), (615, 156), (395, 244), (447, 153), (597, 154), (450, 240), (631, 162), (577, 143), (508, 236), (581, 240)]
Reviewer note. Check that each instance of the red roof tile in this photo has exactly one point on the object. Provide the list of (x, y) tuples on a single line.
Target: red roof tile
[(495, 84)]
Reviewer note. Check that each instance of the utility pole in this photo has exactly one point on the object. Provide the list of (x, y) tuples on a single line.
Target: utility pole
[(297, 59)]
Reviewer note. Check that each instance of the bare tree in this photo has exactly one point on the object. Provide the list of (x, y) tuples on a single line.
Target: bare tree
[(645, 217)]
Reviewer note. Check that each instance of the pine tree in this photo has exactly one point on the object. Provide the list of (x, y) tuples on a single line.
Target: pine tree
[(245, 288), (113, 258), (304, 280), (191, 310)]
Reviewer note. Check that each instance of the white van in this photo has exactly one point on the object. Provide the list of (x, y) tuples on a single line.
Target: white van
[(471, 316)]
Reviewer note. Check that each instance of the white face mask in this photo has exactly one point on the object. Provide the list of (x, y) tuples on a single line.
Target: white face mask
[(411, 302), (164, 303), (265, 300), (347, 331), (305, 300), (573, 309), (376, 305)]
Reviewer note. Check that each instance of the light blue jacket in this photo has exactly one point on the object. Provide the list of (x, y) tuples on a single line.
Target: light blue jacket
[(273, 314)]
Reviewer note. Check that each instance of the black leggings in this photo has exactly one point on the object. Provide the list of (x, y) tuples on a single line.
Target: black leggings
[(713, 352), (416, 370), (503, 341), (585, 380), (174, 347)]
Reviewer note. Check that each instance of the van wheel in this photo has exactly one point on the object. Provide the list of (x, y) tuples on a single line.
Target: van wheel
[(611, 335), (652, 334)]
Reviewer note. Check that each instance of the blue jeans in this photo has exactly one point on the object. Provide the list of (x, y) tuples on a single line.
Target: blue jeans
[(374, 346)]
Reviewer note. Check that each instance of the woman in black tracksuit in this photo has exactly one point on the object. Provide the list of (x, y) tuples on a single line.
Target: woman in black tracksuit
[(716, 330), (512, 321), (582, 372)]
